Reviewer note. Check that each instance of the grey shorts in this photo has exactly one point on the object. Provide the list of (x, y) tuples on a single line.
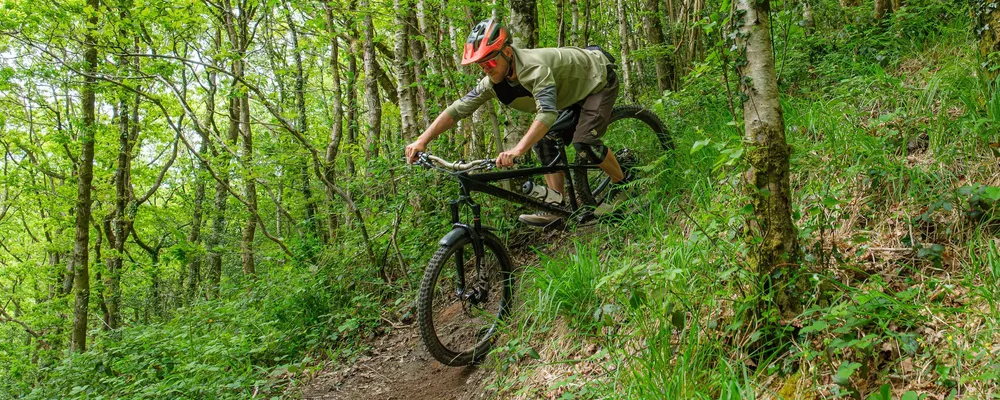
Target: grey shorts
[(595, 115)]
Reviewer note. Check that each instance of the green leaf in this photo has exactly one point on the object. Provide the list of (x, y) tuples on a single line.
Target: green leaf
[(815, 327), (533, 354), (911, 395), (844, 372), (677, 319), (830, 201), (348, 325), (699, 145), (992, 193)]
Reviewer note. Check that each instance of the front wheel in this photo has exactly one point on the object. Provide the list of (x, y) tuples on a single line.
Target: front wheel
[(462, 300), (637, 137)]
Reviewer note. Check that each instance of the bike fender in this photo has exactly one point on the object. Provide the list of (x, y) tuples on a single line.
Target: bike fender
[(458, 233)]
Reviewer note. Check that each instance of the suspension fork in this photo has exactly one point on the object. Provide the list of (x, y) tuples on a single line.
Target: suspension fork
[(477, 242)]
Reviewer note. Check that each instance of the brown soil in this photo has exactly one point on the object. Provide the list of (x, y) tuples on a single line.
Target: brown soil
[(399, 368)]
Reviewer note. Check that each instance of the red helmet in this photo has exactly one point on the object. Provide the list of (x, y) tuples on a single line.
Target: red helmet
[(487, 38)]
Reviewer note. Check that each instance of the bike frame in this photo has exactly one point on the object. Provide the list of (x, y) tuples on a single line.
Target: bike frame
[(470, 183)]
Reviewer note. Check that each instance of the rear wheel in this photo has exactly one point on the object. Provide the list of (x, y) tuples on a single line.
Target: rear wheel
[(461, 304), (637, 137)]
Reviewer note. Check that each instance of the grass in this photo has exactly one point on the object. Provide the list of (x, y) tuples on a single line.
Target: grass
[(888, 160)]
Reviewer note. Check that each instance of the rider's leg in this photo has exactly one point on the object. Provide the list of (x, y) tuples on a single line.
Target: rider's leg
[(556, 181), (610, 166)]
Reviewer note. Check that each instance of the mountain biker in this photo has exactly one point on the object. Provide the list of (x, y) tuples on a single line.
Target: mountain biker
[(542, 81)]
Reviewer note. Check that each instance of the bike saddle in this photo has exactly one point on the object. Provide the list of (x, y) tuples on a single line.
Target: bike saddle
[(566, 121)]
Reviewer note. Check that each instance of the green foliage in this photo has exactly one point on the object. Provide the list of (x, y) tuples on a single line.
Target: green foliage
[(254, 339)]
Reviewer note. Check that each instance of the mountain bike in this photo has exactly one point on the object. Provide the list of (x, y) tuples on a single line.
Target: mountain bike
[(468, 286)]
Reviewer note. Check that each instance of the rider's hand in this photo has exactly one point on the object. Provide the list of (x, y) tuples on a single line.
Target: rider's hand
[(413, 149), (506, 159)]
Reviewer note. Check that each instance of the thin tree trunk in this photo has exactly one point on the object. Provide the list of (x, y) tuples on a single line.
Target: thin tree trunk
[(586, 23), (371, 85), (194, 236), (404, 72), (663, 60), (418, 94), (986, 29), (773, 245), (623, 33), (214, 240), (561, 23), (574, 36), (336, 131), (81, 248), (352, 104), (237, 27), (250, 228)]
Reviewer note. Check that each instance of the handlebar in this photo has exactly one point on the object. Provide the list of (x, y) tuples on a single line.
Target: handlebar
[(427, 160)]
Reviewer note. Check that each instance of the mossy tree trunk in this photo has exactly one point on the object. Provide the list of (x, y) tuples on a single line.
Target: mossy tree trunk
[(85, 177), (883, 8), (663, 58), (987, 28), (771, 235)]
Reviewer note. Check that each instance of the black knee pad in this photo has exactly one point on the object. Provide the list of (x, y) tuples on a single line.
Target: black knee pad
[(590, 153), (546, 151)]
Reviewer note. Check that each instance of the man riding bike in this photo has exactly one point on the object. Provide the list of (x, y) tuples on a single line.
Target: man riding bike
[(542, 81)]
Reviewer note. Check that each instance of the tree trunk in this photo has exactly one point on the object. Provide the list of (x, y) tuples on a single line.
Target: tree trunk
[(194, 236), (561, 23), (586, 23), (212, 245), (663, 60), (250, 228), (524, 23), (770, 233), (404, 72), (81, 247), (574, 35), (336, 130), (808, 21), (418, 92), (371, 85), (193, 278), (623, 33), (237, 27), (986, 28), (882, 8), (352, 104)]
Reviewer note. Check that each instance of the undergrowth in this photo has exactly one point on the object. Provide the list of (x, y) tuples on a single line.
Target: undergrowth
[(895, 188), (256, 339)]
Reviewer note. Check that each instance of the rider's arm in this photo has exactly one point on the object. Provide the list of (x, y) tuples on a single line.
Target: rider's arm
[(442, 123), (535, 133), (468, 104), (458, 110)]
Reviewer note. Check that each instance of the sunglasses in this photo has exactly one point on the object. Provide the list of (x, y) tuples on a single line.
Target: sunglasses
[(488, 65)]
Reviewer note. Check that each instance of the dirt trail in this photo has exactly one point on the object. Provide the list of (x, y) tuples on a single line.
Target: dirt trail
[(398, 368)]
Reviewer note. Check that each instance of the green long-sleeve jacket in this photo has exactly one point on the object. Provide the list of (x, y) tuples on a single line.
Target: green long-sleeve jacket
[(548, 80)]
